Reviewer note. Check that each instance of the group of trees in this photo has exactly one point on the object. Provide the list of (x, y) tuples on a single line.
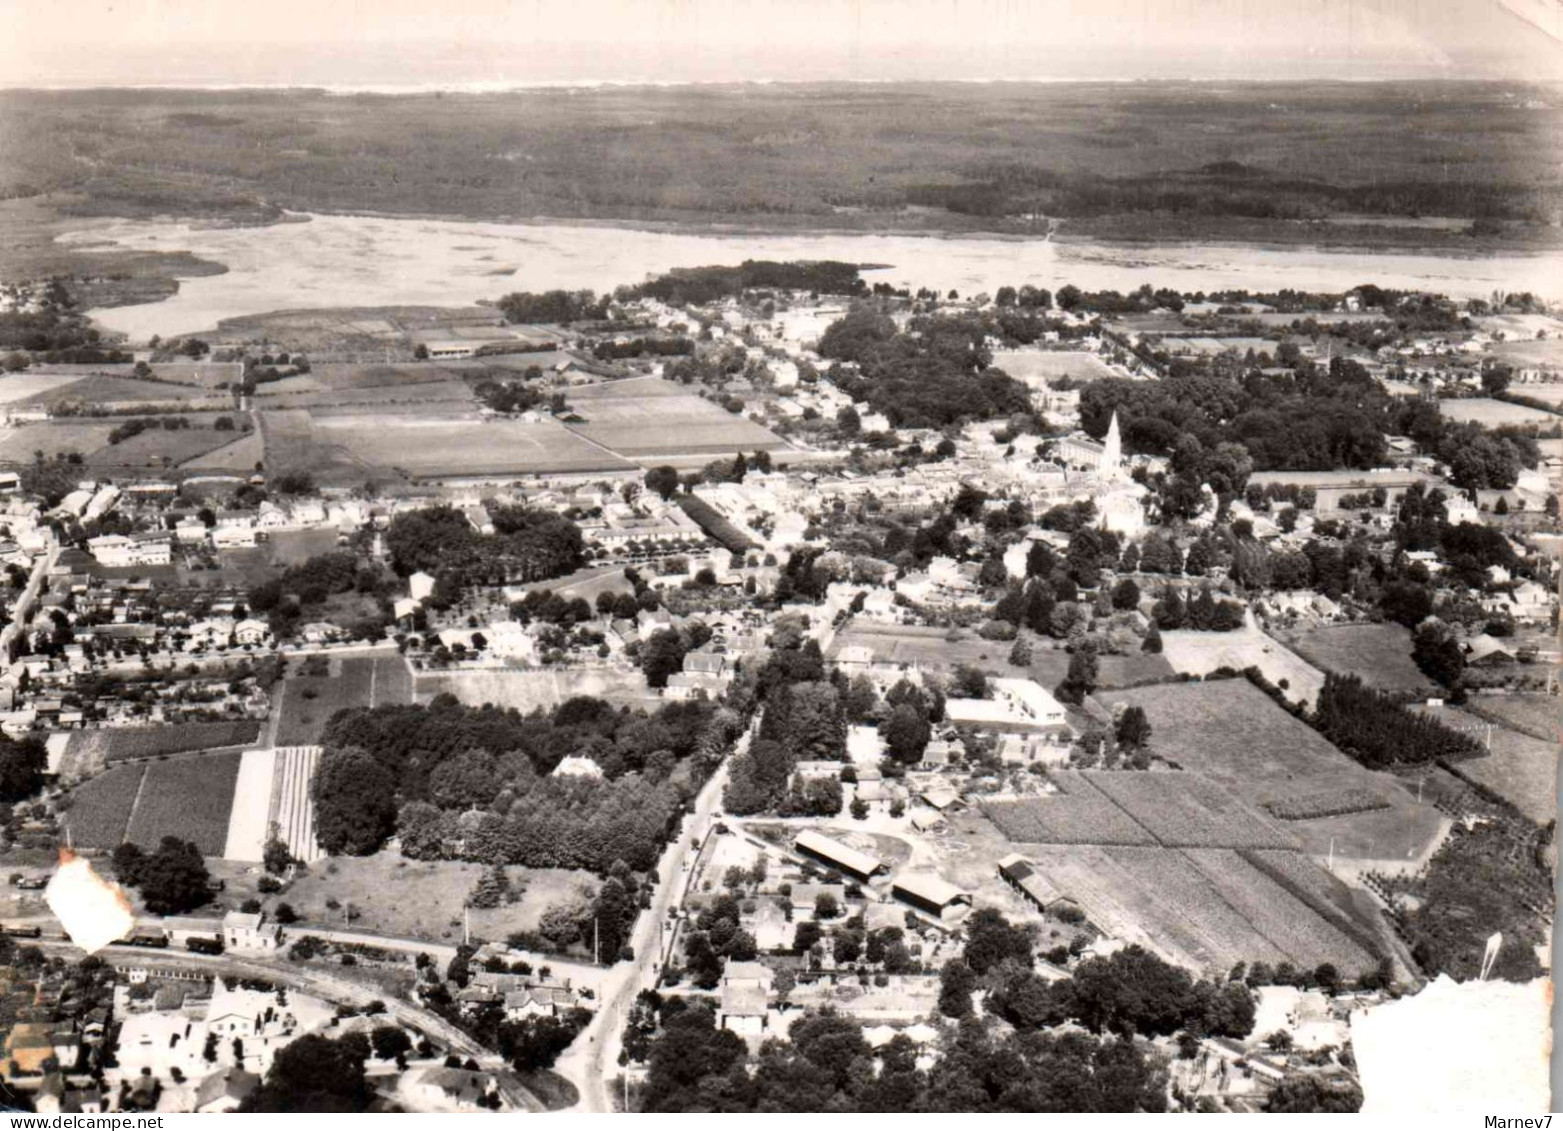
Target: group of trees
[(562, 307), (828, 1065), (700, 285), (1378, 731), (476, 783), (528, 545), (935, 373), (286, 598), (22, 765), (172, 880)]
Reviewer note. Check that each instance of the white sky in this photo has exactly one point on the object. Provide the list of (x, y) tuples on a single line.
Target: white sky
[(413, 42)]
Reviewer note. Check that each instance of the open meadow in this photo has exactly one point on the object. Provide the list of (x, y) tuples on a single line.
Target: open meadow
[(1519, 767), (423, 899), (1494, 414), (1378, 654), (112, 392), (1200, 653), (1236, 735)]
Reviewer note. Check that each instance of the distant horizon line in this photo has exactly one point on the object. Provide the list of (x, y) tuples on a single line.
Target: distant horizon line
[(498, 86)]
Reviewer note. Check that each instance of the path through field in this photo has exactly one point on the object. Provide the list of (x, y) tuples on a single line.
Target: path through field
[(250, 819)]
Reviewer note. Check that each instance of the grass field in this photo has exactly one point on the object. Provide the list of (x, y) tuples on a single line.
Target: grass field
[(1518, 766), (1379, 654), (449, 394), (308, 702), (1547, 394), (929, 647), (646, 416), (100, 808), (1037, 367), (458, 446), (23, 388), (1491, 413), (103, 390), (190, 798), (236, 455), (1234, 734), (528, 689), (158, 447), (424, 899), (1541, 716), (1200, 653), (84, 437)]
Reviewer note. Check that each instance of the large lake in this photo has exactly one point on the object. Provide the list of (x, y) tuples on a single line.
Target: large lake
[(340, 261)]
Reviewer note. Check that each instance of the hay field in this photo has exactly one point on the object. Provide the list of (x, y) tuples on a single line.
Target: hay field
[(84, 437), (19, 388), (1379, 654)]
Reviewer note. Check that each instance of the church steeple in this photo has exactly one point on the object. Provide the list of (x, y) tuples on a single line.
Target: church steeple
[(1112, 451)]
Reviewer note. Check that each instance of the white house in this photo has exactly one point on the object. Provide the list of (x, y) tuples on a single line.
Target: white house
[(420, 586), (250, 931)]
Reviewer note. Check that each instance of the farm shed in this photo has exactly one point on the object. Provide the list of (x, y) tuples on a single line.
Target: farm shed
[(1023, 876), (929, 893), (859, 865)]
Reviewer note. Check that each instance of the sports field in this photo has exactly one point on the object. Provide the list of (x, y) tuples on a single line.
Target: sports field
[(644, 417), (1037, 367), (1493, 414)]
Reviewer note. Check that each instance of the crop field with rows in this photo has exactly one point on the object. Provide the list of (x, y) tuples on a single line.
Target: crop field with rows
[(151, 742), (1184, 810), (1080, 815), (100, 808), (1329, 803), (189, 798)]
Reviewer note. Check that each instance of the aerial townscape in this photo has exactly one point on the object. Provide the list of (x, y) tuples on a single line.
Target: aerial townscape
[(780, 676)]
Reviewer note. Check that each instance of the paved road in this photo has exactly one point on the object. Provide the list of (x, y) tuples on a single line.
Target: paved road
[(593, 1059), (24, 604)]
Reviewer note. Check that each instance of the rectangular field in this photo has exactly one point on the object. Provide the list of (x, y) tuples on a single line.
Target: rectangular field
[(251, 815), (1304, 936), (84, 437), (1079, 814), (1233, 733), (1037, 367), (21, 388), (190, 798), (1186, 810), (1492, 414), (460, 446), (1379, 654), (159, 447), (126, 743), (103, 390), (1519, 767), (647, 416), (308, 702), (100, 808)]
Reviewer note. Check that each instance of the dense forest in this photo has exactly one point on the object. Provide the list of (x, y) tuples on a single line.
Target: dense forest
[(527, 545), (938, 372), (477, 784), (1209, 157), (1312, 419)]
